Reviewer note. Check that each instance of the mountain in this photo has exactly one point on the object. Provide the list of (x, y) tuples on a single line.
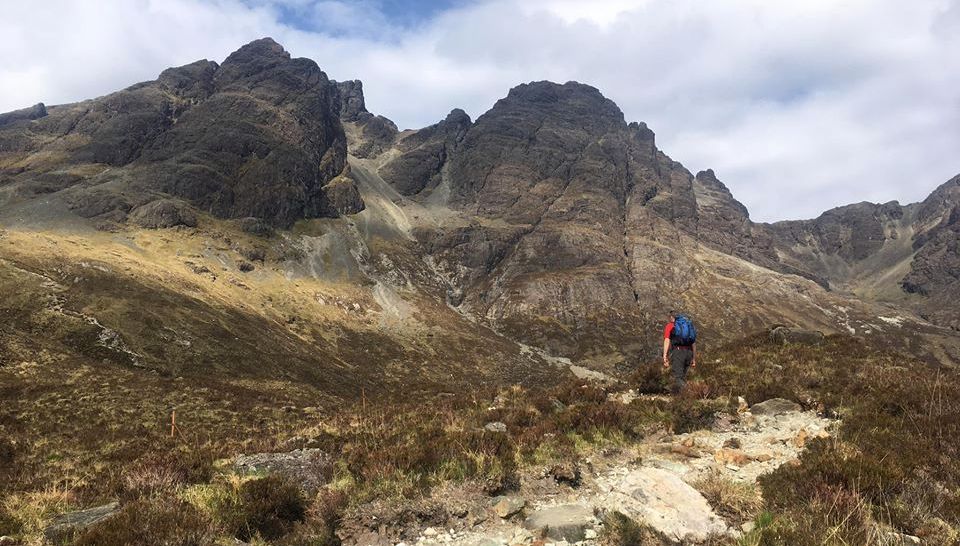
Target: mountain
[(252, 219), (258, 136)]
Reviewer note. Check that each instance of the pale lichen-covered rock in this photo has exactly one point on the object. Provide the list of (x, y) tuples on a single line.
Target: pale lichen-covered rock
[(567, 522), (784, 335), (666, 503), (309, 467), (66, 525), (774, 406)]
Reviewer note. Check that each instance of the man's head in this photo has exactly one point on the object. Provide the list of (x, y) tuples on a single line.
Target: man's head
[(672, 316)]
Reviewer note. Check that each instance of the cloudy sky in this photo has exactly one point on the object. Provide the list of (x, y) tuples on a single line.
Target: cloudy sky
[(798, 106)]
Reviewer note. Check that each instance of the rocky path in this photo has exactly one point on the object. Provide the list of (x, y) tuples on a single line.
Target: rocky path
[(650, 483)]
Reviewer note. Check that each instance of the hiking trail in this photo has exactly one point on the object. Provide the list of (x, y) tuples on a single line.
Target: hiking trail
[(651, 482)]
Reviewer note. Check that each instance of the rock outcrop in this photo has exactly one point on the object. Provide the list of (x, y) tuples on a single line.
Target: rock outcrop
[(65, 526), (36, 111), (424, 153), (163, 213)]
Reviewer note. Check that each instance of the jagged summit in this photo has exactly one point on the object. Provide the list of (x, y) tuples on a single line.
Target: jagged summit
[(258, 135)]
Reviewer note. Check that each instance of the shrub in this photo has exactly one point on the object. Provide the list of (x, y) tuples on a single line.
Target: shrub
[(697, 390), (153, 522), (157, 474), (689, 415), (323, 518), (9, 525), (649, 379), (268, 507)]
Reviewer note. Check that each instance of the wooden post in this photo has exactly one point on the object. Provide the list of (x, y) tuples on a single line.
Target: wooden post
[(173, 422)]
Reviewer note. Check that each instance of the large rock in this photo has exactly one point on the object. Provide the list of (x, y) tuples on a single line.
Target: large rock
[(309, 467), (775, 406), (505, 507), (784, 335), (566, 522), (64, 526), (377, 135), (350, 101), (666, 503), (342, 197)]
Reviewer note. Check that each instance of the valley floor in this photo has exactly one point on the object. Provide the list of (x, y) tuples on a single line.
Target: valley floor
[(862, 449)]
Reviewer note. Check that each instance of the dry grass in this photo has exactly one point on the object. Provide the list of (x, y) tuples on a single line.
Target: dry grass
[(620, 530), (736, 502), (151, 522)]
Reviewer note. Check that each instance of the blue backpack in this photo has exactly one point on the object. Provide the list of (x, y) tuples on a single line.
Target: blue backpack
[(684, 333)]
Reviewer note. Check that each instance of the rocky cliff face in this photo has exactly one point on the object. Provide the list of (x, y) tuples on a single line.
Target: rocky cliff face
[(549, 219), (901, 254), (259, 135), (572, 231)]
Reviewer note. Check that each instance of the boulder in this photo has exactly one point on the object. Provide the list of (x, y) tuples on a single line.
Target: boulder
[(774, 406), (505, 507), (495, 426), (310, 467), (727, 456), (163, 213), (342, 198), (66, 525), (567, 472), (566, 522), (784, 335), (666, 503)]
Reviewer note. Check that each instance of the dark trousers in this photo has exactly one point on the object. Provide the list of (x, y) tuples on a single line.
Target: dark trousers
[(680, 360)]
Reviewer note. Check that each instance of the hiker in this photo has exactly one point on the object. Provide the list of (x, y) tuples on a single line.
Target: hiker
[(679, 348)]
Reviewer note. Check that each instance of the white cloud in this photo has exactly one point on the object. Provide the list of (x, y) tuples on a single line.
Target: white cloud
[(798, 107)]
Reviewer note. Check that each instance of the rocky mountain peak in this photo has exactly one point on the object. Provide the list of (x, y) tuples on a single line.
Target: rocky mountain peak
[(572, 101), (945, 197), (457, 117), (258, 50), (352, 104), (266, 64)]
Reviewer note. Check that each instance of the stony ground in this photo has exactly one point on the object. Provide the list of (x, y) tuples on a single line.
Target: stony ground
[(652, 483)]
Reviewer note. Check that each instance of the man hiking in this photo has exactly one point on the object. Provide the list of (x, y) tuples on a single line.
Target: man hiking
[(679, 348)]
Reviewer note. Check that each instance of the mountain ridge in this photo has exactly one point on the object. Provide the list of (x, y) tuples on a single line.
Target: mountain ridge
[(549, 219)]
